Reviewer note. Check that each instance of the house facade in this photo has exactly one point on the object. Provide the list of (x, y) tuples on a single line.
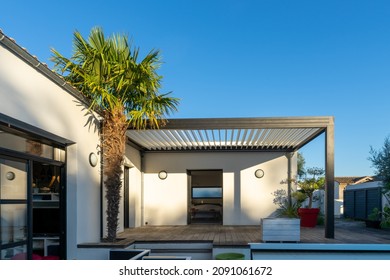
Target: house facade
[(46, 140), (191, 171)]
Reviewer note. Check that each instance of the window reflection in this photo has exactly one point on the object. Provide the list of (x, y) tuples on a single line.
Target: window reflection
[(206, 192), (11, 141), (13, 226), (15, 253), (15, 186)]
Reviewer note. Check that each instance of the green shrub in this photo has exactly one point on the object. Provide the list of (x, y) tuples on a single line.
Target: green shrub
[(320, 220)]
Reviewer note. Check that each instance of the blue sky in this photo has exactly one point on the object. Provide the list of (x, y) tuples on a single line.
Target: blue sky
[(264, 58)]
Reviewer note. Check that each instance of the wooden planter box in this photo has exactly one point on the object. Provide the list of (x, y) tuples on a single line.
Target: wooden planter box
[(280, 230)]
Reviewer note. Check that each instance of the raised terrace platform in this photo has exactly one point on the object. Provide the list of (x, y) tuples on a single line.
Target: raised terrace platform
[(346, 231), (206, 241)]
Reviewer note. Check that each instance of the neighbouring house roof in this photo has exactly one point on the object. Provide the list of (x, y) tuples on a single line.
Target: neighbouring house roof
[(356, 180), (348, 179), (261, 134)]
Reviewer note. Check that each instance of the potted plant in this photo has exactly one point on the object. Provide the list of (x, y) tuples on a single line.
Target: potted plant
[(287, 208), (285, 227), (308, 186)]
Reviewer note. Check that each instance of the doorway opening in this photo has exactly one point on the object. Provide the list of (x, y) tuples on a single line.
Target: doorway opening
[(48, 213), (205, 197)]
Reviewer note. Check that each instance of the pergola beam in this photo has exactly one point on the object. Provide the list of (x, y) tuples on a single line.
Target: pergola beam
[(246, 123)]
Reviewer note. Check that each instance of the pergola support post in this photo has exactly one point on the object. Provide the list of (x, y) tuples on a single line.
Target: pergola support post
[(329, 180), (289, 155)]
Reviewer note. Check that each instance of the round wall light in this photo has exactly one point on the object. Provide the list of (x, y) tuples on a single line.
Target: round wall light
[(162, 175), (93, 159), (259, 173), (10, 175)]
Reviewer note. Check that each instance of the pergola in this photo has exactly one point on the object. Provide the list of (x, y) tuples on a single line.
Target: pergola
[(287, 134)]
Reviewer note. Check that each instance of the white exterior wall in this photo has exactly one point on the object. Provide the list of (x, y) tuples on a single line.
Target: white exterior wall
[(30, 97), (135, 188), (246, 199)]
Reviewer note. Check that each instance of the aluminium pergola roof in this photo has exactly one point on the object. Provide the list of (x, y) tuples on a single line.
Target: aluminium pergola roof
[(263, 134)]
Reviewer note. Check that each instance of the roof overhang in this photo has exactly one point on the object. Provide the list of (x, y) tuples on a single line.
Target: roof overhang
[(223, 134)]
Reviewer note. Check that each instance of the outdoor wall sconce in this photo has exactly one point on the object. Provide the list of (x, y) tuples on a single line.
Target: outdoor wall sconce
[(93, 159), (10, 175), (162, 175), (259, 173)]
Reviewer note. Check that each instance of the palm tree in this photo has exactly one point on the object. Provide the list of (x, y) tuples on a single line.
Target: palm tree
[(125, 91)]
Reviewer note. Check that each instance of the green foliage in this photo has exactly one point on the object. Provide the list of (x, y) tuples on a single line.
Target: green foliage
[(108, 73), (375, 215), (320, 219), (301, 165), (288, 205), (382, 216), (385, 217), (381, 162), (286, 208), (300, 197), (309, 185)]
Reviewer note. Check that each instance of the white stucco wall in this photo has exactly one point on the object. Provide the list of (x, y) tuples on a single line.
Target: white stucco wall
[(246, 199), (135, 187), (30, 97)]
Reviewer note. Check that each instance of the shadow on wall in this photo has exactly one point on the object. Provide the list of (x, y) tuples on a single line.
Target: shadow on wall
[(19, 106), (157, 216), (226, 161), (92, 121)]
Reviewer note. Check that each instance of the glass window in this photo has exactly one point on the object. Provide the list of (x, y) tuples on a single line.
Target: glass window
[(13, 179), (13, 226), (15, 253), (206, 192), (11, 141)]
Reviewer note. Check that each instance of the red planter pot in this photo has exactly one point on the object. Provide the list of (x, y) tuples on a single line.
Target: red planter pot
[(308, 216)]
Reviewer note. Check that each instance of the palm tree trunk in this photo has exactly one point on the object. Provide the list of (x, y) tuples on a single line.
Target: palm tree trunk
[(114, 139)]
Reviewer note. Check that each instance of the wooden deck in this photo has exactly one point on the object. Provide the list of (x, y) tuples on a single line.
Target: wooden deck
[(346, 231)]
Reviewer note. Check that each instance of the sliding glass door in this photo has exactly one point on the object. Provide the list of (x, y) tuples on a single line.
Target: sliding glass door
[(32, 196)]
